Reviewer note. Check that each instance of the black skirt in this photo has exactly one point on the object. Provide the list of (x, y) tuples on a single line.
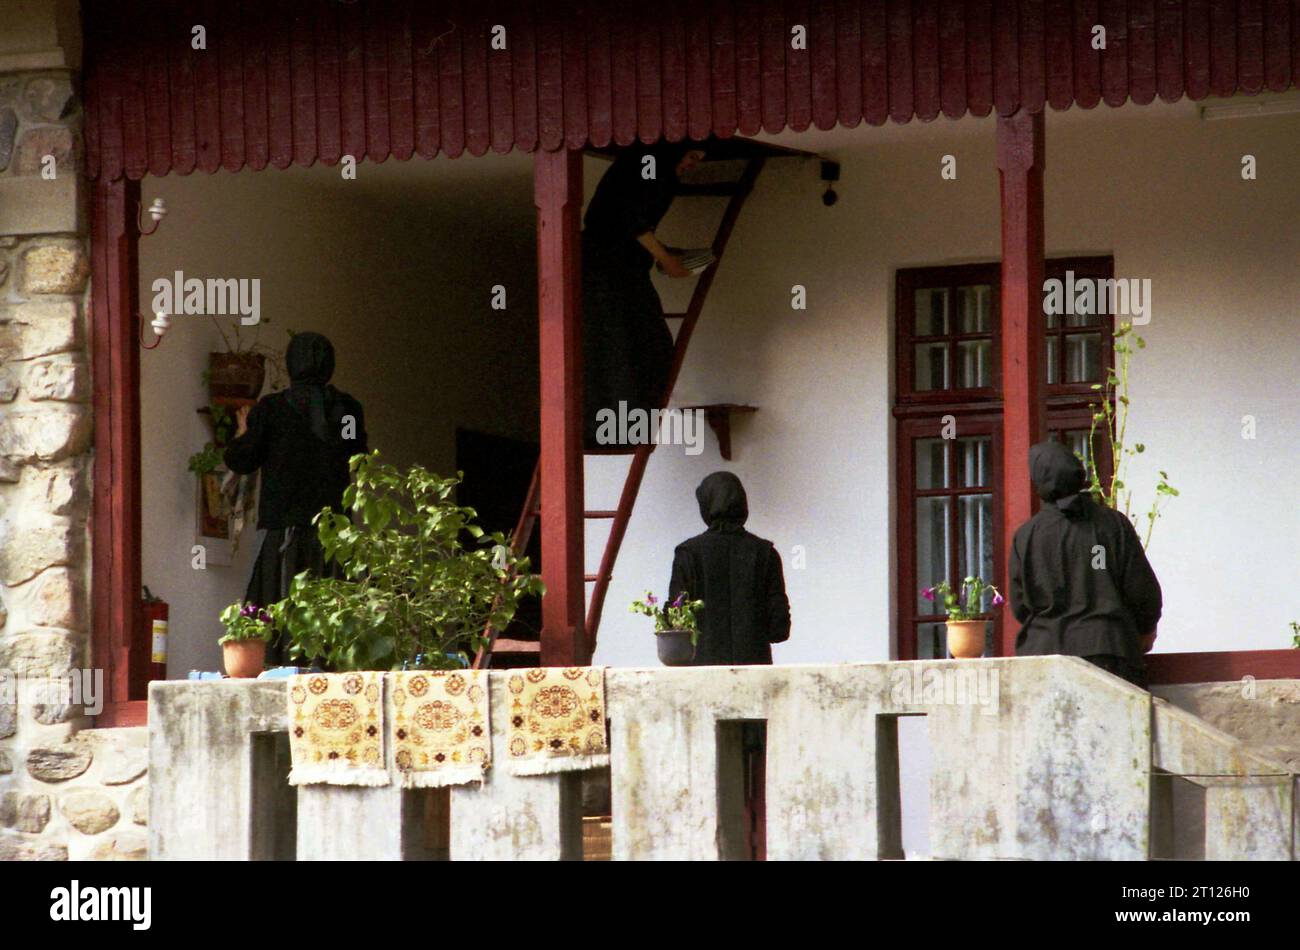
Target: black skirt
[(627, 348), (285, 553)]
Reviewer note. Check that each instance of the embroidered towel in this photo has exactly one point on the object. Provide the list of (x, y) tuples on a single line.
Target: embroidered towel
[(557, 720), (336, 729), (438, 727)]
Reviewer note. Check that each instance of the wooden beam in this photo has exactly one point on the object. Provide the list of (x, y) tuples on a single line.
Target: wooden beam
[(118, 643), (557, 187), (1020, 167)]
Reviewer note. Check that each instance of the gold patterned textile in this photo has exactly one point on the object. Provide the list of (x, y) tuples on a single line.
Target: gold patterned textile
[(336, 729), (438, 726), (556, 720)]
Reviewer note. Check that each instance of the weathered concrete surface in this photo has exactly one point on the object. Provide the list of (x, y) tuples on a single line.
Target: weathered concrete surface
[(1264, 714), (515, 818), (1034, 758), (1249, 806), (201, 765)]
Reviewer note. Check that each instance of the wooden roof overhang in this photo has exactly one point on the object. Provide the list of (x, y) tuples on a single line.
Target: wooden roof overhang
[(302, 81)]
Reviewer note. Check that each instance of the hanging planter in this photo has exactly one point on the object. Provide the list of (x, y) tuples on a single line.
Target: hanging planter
[(235, 376)]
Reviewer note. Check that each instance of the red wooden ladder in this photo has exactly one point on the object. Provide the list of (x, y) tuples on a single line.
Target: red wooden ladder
[(519, 653)]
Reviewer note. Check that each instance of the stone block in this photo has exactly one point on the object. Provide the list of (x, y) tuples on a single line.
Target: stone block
[(18, 848), (137, 803), (28, 548), (55, 269), (8, 129), (123, 846), (60, 764), (35, 205), (45, 435), (89, 811), (27, 813), (56, 600), (40, 653), (62, 380), (47, 98), (57, 489), (56, 141), (8, 385), (39, 328)]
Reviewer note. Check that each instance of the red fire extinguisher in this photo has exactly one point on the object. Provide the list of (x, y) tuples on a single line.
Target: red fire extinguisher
[(155, 622)]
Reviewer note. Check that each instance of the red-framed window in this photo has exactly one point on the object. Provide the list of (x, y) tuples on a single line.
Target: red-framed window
[(948, 408)]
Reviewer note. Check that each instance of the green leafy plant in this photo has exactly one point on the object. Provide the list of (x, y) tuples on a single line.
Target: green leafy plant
[(244, 621), (208, 458), (420, 580), (967, 601), (1295, 634), (679, 614), (1110, 417)]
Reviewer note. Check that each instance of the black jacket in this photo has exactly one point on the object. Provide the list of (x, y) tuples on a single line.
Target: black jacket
[(1080, 583), (297, 438), (737, 575)]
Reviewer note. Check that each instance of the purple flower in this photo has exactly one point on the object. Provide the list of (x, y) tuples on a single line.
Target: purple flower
[(677, 601), (998, 600), (651, 599), (928, 593)]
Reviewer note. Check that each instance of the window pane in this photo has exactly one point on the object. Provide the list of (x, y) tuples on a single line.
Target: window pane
[(1083, 357), (1053, 344), (1082, 319), (931, 642), (931, 312), (931, 366), (931, 463), (975, 540), (974, 313), (973, 363), (973, 461), (932, 533), (1076, 441)]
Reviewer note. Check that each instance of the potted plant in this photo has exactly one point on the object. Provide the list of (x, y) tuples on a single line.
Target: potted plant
[(676, 629), (418, 582), (248, 628), (964, 608)]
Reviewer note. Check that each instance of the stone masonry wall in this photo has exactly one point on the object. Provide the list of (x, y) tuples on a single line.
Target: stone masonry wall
[(66, 790)]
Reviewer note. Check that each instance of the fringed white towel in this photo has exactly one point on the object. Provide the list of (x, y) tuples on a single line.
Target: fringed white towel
[(439, 727), (336, 729), (557, 720)]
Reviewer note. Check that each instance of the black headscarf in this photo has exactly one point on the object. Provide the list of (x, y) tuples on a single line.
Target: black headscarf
[(722, 501), (310, 362), (1058, 475)]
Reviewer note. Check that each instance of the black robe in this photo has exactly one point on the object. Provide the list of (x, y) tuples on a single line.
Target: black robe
[(296, 437), (738, 576), (1066, 605), (627, 348)]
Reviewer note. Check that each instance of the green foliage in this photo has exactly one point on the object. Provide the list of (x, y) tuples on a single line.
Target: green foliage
[(679, 614), (246, 622), (205, 460), (967, 601), (1295, 634), (210, 457), (420, 579), (1111, 419)]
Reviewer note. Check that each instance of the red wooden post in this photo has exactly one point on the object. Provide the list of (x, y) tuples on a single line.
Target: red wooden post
[(117, 641), (557, 185), (1020, 165)]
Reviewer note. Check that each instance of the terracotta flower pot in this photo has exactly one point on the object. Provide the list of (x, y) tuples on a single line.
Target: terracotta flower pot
[(966, 638), (235, 375), (675, 647), (245, 659)]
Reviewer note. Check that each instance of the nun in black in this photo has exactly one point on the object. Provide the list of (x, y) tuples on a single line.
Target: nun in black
[(301, 439), (627, 348), (738, 576), (1081, 584)]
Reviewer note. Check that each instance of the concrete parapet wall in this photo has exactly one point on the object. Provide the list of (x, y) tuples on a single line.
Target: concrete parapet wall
[(1033, 758)]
